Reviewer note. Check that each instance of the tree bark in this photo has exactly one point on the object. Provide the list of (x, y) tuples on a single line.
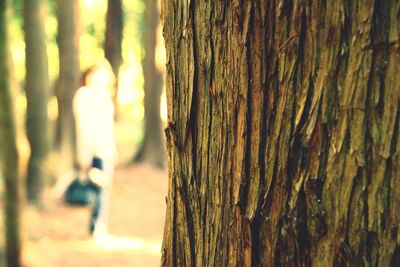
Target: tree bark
[(9, 151), (36, 88), (153, 149), (113, 41), (283, 133), (69, 77)]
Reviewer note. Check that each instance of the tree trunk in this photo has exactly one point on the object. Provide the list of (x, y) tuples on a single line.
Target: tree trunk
[(152, 150), (113, 41), (283, 133), (69, 78), (9, 152), (37, 96)]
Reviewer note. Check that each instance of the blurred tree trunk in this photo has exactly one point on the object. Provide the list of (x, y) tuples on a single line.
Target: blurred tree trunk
[(9, 152), (36, 88), (113, 41), (69, 78), (283, 136), (152, 149)]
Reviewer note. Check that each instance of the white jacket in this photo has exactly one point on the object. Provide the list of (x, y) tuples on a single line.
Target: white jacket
[(94, 117)]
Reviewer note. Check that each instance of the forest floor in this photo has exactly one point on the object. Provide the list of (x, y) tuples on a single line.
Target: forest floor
[(58, 234)]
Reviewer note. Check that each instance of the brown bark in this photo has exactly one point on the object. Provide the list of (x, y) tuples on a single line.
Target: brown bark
[(283, 133), (9, 151), (113, 41), (69, 77), (36, 88), (152, 150)]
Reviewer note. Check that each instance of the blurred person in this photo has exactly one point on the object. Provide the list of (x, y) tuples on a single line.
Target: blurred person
[(96, 146)]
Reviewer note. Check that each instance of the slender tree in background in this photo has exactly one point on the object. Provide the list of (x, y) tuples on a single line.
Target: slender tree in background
[(9, 152), (152, 149), (36, 88), (69, 77), (283, 135), (113, 40)]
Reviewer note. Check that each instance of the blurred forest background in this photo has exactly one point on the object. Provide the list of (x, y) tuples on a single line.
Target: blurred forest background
[(46, 46), (91, 25)]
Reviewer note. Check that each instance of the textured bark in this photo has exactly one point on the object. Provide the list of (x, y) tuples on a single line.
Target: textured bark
[(9, 151), (283, 133), (152, 150), (36, 88), (69, 77), (113, 40)]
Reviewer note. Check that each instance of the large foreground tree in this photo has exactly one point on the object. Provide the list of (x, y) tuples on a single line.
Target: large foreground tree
[(9, 152), (37, 83), (283, 136)]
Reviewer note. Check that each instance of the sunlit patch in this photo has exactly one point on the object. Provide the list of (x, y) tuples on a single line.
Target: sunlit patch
[(110, 242), (91, 52), (160, 50), (130, 89), (21, 103), (18, 52), (163, 107), (52, 109), (91, 3), (138, 113)]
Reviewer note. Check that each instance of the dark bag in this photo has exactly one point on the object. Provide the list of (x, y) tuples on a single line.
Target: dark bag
[(84, 192), (81, 193)]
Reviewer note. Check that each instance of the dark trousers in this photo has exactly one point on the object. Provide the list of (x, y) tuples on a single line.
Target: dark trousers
[(95, 211), (96, 163)]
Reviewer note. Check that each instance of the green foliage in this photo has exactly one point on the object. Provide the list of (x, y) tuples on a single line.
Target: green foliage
[(51, 5), (17, 10), (132, 43), (134, 15), (93, 21)]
